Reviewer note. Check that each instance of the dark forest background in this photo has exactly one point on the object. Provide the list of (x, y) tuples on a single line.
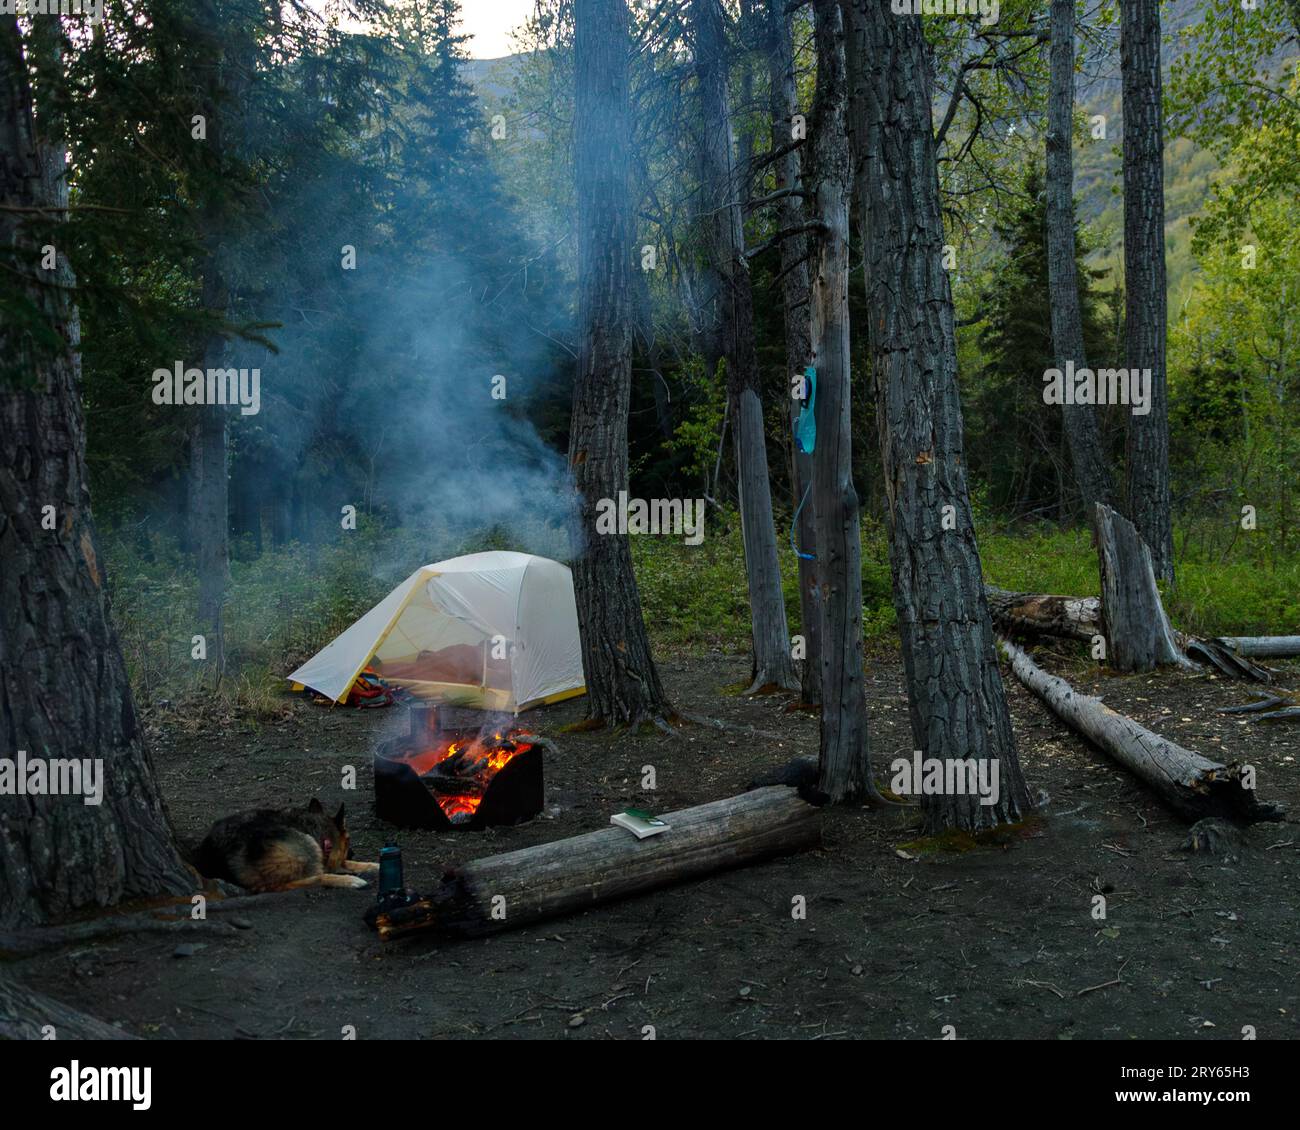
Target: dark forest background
[(369, 136)]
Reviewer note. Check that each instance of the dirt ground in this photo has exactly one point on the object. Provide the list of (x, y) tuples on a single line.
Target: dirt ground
[(998, 942)]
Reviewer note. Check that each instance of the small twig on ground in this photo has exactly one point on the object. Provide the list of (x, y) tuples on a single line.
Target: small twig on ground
[(1104, 984), (1046, 985)]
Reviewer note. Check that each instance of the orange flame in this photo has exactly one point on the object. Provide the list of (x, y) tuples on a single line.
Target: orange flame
[(484, 757)]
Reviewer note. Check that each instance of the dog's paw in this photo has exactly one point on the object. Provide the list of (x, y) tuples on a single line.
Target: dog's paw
[(367, 868), (356, 882)]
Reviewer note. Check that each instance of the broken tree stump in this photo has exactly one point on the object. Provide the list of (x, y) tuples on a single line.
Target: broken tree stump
[(1035, 614), (1193, 786), (1138, 634), (516, 888), (1044, 614)]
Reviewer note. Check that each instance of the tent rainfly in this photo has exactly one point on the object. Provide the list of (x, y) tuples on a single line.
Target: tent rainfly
[(497, 631)]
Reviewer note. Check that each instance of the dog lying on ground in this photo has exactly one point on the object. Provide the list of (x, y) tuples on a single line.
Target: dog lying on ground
[(276, 849)]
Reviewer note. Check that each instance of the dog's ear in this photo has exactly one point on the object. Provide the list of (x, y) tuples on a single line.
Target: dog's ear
[(338, 819), (314, 806)]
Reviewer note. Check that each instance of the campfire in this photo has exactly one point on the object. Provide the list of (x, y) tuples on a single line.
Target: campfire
[(449, 774)]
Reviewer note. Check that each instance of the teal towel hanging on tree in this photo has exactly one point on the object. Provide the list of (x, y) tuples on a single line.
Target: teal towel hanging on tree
[(805, 439), (805, 428)]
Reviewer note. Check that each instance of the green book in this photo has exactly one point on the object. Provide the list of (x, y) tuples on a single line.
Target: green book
[(639, 822)]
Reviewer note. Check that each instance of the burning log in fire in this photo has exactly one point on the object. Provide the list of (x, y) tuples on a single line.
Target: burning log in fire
[(458, 769)]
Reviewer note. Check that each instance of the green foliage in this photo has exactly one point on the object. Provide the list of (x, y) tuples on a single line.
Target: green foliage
[(1233, 89), (695, 597), (1236, 425), (699, 431)]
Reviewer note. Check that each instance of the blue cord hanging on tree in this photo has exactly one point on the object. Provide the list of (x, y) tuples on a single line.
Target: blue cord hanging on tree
[(805, 439)]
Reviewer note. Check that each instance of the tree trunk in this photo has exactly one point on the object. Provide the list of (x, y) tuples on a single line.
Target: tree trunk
[(1043, 614), (1144, 276), (25, 1015), (772, 665), (1271, 647), (1082, 433), (1138, 634), (63, 687), (209, 519), (622, 682), (795, 294), (209, 481), (1192, 785), (844, 753), (564, 876), (645, 325), (957, 702)]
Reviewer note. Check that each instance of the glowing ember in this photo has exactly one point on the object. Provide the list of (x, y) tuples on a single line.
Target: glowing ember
[(459, 770)]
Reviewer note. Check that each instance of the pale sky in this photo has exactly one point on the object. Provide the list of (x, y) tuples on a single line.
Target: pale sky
[(490, 23)]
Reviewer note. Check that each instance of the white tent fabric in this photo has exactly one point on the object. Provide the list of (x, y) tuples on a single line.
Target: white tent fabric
[(496, 630)]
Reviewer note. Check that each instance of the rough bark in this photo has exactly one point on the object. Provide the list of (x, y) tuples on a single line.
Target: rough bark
[(1044, 614), (209, 480), (772, 663), (622, 683), (645, 329), (1281, 705), (844, 753), (1191, 785), (957, 702), (63, 685), (1079, 617), (1144, 276), (25, 1015), (1217, 653), (1138, 634), (795, 296), (1082, 432), (573, 874), (209, 510), (1264, 647)]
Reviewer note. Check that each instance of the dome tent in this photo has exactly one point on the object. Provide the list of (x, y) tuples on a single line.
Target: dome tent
[(497, 631)]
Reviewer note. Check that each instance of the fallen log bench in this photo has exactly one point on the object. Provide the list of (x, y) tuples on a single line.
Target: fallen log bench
[(501, 892), (1193, 786)]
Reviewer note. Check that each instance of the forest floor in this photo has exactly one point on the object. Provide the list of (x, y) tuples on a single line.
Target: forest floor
[(898, 942)]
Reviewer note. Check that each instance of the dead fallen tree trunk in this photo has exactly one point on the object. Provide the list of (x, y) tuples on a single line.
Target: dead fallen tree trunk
[(25, 1015), (501, 892), (1033, 614), (1044, 614), (1280, 706), (1263, 647), (1225, 659), (1192, 785)]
